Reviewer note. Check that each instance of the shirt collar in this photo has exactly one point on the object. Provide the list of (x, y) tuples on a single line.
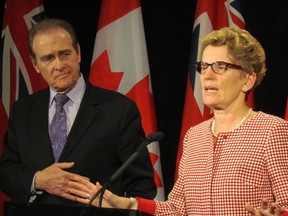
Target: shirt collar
[(75, 94)]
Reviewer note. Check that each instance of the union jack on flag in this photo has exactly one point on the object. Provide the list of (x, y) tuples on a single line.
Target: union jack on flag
[(210, 15), (18, 77)]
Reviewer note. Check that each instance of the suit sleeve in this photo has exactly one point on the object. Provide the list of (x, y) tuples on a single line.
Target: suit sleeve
[(138, 179), (15, 179)]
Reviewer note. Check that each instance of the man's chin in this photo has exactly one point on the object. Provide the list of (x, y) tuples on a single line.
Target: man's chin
[(64, 86), (61, 90)]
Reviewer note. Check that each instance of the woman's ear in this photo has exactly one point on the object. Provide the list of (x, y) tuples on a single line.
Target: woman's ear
[(250, 82)]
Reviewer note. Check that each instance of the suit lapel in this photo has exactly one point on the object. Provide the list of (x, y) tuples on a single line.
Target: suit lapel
[(39, 121), (85, 117)]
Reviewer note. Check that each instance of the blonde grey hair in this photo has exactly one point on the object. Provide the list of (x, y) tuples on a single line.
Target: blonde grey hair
[(242, 48)]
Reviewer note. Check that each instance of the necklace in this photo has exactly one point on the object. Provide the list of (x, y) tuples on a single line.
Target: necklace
[(241, 122)]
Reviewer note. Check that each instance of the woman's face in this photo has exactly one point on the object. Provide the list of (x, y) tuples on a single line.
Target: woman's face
[(221, 91)]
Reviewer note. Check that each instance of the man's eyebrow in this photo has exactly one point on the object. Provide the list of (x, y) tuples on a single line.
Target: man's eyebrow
[(46, 56), (65, 50)]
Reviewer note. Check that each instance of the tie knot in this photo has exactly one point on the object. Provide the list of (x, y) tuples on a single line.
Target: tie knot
[(61, 99)]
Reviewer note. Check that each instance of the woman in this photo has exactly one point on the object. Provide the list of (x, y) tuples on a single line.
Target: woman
[(239, 156)]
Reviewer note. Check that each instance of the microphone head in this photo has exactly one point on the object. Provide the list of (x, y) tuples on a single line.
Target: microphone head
[(152, 137), (158, 136)]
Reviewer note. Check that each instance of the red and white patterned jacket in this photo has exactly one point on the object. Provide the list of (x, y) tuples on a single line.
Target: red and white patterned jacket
[(248, 164)]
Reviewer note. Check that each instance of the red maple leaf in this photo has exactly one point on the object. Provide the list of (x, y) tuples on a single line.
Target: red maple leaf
[(101, 74)]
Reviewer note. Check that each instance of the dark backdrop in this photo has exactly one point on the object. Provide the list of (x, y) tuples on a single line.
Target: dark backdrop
[(168, 28)]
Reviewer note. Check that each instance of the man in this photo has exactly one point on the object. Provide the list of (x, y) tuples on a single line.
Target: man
[(103, 129)]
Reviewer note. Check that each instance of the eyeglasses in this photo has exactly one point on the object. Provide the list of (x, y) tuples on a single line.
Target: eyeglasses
[(219, 67)]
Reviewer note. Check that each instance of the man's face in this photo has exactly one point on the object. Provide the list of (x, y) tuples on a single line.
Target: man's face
[(56, 59)]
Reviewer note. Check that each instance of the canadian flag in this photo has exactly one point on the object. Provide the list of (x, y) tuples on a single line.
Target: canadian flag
[(120, 63), (210, 15), (17, 75)]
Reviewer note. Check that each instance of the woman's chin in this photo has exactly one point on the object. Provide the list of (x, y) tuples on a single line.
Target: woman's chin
[(210, 104)]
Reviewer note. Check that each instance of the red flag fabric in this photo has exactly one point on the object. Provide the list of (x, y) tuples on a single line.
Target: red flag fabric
[(120, 63), (210, 15), (17, 75), (286, 113)]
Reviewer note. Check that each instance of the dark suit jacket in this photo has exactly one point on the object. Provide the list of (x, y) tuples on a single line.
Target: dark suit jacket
[(106, 131)]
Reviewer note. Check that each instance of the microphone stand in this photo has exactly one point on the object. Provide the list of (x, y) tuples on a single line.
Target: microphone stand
[(150, 138), (116, 175)]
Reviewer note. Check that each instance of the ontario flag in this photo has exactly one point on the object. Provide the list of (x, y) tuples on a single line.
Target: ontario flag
[(17, 75), (210, 15), (120, 63)]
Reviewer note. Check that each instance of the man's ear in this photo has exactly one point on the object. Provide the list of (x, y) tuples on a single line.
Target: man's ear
[(79, 53), (34, 63)]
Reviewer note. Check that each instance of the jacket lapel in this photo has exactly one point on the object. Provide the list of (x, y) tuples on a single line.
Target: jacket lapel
[(85, 117), (39, 121)]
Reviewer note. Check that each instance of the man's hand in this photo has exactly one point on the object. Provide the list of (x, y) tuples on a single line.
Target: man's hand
[(55, 180), (84, 190)]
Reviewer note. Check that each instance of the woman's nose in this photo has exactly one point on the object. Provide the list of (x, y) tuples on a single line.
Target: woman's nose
[(208, 73)]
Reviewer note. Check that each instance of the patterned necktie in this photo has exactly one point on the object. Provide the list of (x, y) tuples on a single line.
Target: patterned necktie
[(58, 126)]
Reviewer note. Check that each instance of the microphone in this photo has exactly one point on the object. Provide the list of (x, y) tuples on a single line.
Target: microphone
[(153, 137)]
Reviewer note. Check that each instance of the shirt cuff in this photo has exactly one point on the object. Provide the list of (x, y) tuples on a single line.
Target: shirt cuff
[(145, 205), (32, 189)]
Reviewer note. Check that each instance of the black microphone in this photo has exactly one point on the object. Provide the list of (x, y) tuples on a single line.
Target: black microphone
[(153, 137)]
